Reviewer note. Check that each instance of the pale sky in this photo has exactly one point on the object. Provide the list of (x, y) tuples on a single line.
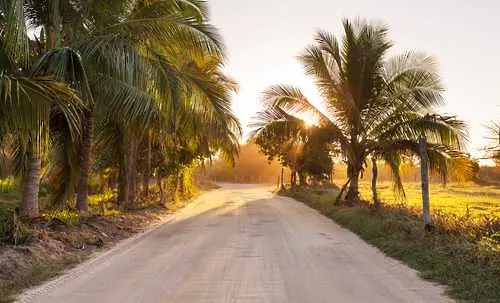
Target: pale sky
[(263, 37)]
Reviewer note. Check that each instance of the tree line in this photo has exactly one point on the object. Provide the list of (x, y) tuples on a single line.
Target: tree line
[(125, 88)]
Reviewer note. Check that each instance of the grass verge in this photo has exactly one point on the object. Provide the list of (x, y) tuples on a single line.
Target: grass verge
[(469, 265)]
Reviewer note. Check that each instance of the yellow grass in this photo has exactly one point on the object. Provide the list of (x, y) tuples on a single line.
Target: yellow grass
[(456, 198)]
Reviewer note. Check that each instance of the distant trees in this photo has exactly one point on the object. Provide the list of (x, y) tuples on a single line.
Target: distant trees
[(251, 166), (293, 143), (375, 107), (494, 137)]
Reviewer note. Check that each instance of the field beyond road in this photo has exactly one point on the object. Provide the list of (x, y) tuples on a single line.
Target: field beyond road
[(453, 198)]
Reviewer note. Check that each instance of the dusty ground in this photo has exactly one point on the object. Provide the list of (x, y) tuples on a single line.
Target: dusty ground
[(53, 246), (241, 244)]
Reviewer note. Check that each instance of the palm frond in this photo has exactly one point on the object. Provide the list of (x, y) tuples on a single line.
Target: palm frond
[(393, 160), (447, 130), (442, 158), (27, 104), (65, 65)]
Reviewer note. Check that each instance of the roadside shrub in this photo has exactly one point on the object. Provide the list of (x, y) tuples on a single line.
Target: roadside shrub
[(475, 229), (12, 230)]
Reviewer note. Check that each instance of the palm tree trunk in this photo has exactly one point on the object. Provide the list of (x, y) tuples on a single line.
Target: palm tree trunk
[(31, 184), (132, 170), (424, 170), (376, 201), (147, 173), (83, 185), (123, 182), (353, 191)]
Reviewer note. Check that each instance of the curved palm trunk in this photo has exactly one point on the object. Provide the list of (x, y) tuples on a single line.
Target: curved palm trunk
[(341, 193), (83, 185), (376, 201), (29, 203)]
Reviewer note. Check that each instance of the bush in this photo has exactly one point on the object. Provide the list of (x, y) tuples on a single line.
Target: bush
[(12, 230)]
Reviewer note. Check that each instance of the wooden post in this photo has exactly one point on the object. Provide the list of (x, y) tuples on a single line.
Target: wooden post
[(424, 170)]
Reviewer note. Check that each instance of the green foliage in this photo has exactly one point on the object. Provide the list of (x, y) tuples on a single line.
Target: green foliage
[(129, 67), (470, 266), (316, 159), (67, 216), (188, 183), (8, 185)]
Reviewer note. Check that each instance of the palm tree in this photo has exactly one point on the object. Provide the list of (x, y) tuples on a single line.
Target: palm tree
[(31, 102), (373, 105), (127, 49), (194, 122)]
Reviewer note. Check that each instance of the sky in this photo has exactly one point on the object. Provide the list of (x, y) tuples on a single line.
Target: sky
[(263, 38)]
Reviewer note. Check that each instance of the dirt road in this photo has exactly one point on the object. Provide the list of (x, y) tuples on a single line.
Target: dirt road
[(242, 244)]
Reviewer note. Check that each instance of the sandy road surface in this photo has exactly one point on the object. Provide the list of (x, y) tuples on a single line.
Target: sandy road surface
[(242, 244)]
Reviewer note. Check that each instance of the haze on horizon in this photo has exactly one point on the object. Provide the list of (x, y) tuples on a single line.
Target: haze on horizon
[(263, 38)]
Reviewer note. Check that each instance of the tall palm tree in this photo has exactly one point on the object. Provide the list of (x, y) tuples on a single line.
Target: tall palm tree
[(372, 104), (126, 49), (30, 102)]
